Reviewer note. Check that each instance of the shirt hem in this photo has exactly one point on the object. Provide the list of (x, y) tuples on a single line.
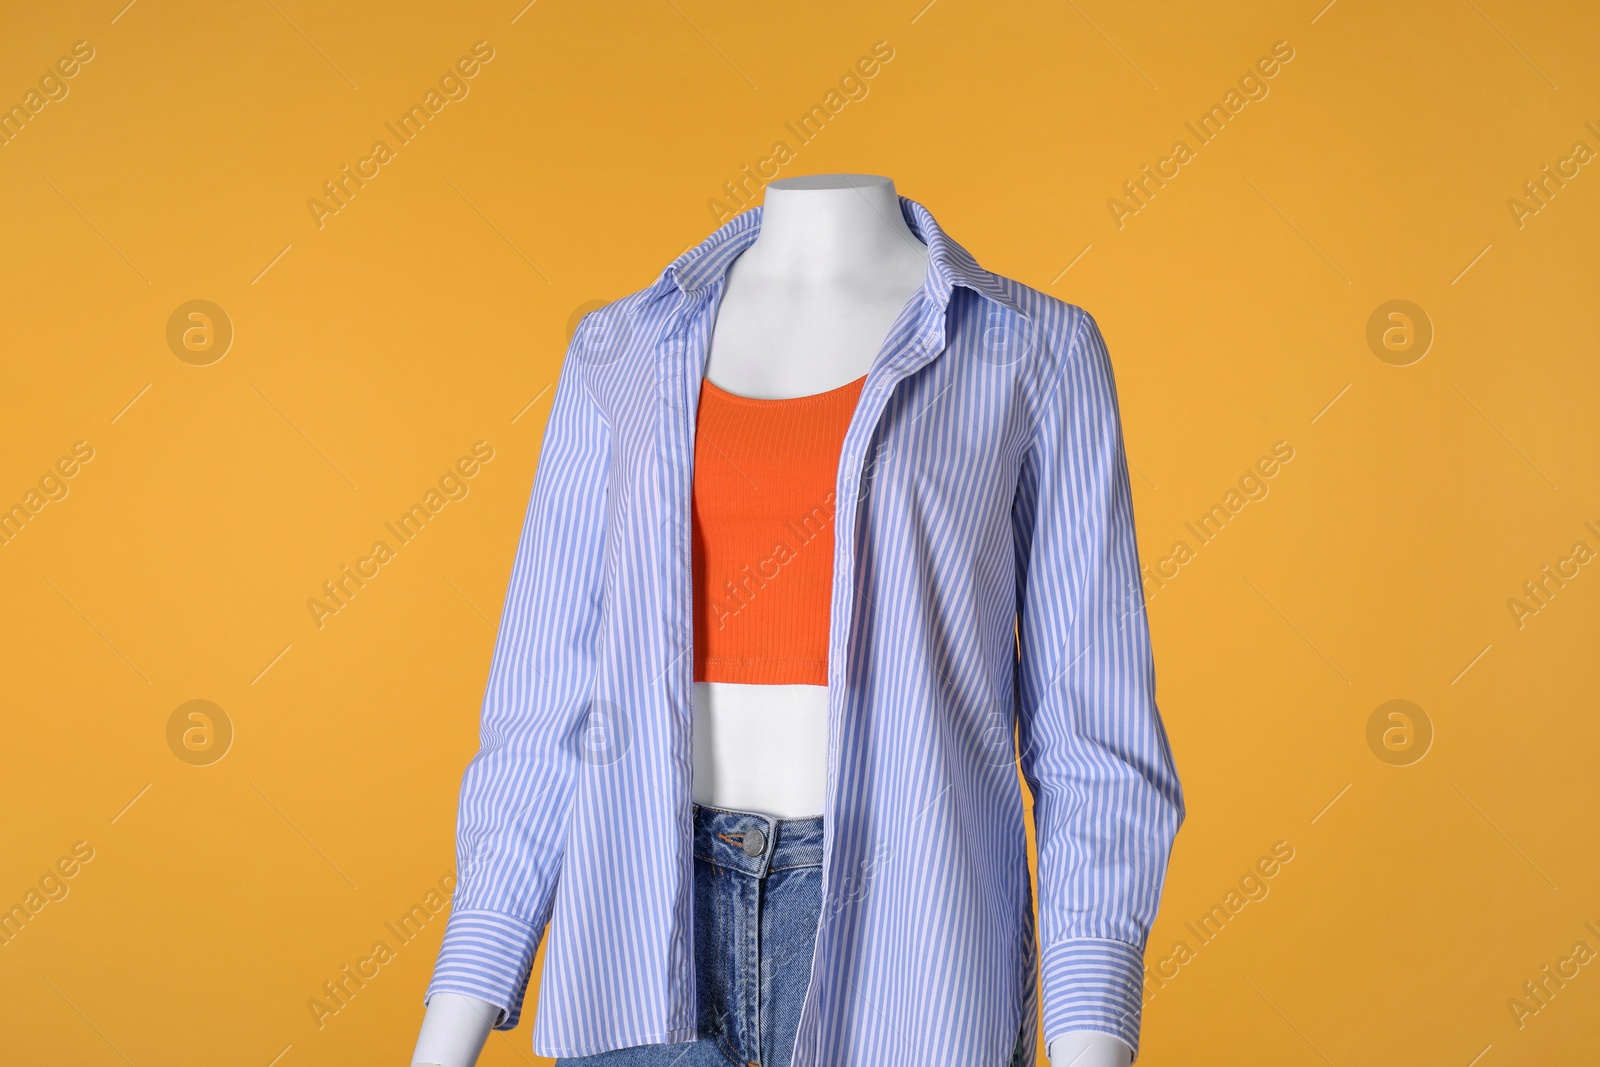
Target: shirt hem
[(676, 1036)]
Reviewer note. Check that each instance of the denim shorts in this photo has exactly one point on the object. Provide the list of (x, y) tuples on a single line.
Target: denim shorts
[(757, 899)]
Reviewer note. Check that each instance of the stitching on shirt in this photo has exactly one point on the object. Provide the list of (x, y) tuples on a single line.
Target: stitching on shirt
[(1058, 371)]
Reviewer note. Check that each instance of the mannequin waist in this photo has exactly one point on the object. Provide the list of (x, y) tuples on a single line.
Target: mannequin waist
[(761, 748)]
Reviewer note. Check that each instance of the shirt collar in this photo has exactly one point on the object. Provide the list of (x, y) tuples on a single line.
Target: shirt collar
[(949, 264)]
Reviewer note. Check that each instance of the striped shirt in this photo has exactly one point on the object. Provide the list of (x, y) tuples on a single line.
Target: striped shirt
[(987, 615)]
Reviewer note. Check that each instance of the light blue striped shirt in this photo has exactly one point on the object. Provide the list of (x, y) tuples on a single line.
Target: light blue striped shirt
[(986, 602)]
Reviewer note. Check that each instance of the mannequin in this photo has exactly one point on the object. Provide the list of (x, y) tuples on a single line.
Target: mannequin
[(805, 310)]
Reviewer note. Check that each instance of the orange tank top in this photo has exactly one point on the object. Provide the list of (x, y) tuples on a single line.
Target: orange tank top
[(762, 522)]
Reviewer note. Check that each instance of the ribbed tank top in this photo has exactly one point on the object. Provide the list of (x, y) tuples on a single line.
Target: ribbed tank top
[(762, 523)]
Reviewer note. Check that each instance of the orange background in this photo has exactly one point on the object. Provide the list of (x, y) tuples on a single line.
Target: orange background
[(431, 312)]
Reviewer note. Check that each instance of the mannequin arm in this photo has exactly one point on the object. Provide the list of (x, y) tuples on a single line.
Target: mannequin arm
[(454, 1030), (1089, 1048)]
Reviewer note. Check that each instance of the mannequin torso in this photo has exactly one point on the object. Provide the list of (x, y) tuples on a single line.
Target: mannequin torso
[(805, 309)]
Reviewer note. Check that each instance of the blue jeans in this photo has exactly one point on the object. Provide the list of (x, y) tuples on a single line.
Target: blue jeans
[(757, 899)]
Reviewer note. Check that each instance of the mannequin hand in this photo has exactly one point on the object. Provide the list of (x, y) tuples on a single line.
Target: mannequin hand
[(1089, 1048), (453, 1031)]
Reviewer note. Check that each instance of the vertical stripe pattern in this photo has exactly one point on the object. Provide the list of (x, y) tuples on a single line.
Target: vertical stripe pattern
[(986, 615)]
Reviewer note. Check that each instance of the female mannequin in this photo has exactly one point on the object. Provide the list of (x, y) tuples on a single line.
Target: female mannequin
[(805, 311)]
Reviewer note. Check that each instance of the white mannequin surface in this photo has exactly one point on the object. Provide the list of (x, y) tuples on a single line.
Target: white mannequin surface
[(805, 309)]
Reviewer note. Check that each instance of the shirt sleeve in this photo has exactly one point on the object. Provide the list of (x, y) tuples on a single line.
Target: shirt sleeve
[(515, 793), (1106, 797)]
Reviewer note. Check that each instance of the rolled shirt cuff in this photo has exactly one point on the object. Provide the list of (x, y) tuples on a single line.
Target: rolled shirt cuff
[(1092, 984), (488, 955)]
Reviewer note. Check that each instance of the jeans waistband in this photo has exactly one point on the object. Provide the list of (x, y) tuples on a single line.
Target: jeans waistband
[(753, 843)]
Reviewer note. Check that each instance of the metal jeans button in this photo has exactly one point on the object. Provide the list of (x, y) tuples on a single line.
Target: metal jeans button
[(755, 843)]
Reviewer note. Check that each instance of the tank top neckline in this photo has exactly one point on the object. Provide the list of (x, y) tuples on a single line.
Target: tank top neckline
[(716, 391)]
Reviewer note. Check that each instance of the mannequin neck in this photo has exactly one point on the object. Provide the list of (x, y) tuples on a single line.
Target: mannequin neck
[(830, 229)]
